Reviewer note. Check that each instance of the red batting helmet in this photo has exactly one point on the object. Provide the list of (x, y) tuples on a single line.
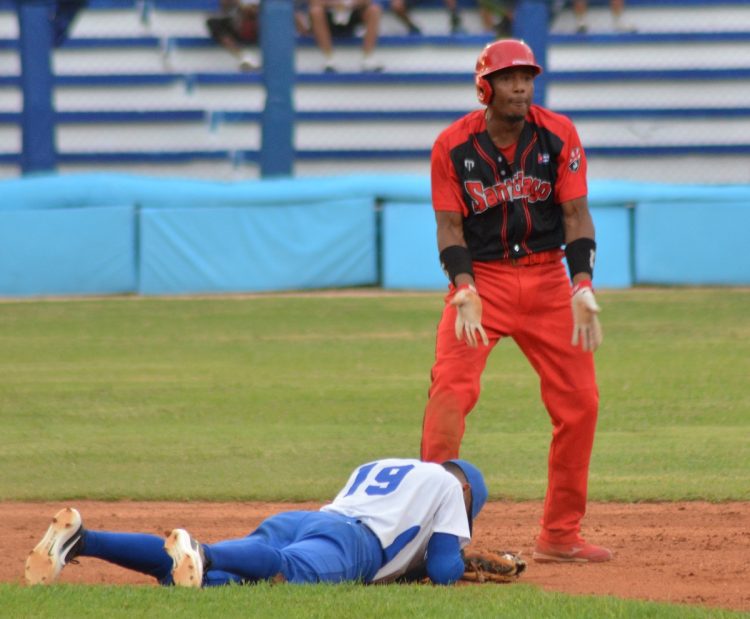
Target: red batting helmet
[(498, 56)]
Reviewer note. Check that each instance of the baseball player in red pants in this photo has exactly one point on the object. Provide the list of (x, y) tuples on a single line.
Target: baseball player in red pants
[(509, 192)]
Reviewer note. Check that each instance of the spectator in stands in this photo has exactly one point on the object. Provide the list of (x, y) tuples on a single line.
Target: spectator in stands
[(617, 7), (238, 25), (331, 19), (497, 16), (235, 26), (65, 11), (401, 9)]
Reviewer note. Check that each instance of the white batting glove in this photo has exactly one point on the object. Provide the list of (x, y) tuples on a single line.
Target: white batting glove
[(586, 325), (469, 316)]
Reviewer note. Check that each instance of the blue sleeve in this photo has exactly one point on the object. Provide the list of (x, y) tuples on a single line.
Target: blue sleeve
[(445, 563)]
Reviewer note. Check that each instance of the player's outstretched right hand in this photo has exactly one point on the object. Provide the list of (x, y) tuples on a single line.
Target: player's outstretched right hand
[(469, 316)]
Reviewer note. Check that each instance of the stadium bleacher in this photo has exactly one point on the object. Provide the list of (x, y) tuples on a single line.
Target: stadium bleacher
[(140, 87)]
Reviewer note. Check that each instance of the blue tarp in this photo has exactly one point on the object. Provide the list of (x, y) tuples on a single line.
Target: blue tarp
[(113, 233), (79, 190)]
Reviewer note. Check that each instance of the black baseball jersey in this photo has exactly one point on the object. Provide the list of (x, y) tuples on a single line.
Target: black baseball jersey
[(510, 208)]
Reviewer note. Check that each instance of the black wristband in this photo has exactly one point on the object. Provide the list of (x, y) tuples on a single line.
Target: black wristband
[(455, 260), (580, 255)]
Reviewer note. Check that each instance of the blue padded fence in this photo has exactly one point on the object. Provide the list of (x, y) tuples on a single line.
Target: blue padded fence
[(111, 233)]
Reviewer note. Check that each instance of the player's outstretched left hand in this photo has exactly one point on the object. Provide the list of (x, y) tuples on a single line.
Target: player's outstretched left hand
[(492, 566), (586, 326), (469, 316)]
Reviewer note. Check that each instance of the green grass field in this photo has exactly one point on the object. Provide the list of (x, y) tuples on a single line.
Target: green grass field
[(329, 601), (278, 398)]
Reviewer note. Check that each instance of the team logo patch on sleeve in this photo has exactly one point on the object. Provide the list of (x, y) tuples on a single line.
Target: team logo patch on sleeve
[(575, 159)]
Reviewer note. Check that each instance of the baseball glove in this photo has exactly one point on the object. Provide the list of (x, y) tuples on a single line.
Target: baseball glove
[(492, 566)]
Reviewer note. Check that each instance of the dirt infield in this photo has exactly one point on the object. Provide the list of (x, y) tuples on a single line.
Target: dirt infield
[(689, 553)]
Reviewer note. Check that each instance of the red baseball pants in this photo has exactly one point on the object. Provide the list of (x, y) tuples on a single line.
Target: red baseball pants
[(531, 304)]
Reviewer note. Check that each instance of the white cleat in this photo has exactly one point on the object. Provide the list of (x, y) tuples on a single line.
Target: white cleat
[(57, 548), (371, 65), (187, 562), (248, 63)]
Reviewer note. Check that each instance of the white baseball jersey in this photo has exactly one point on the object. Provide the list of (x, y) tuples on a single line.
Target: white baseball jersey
[(404, 502)]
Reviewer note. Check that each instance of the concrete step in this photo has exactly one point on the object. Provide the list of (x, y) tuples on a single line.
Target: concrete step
[(650, 55), (386, 134), (668, 93), (664, 17), (396, 55), (645, 17), (192, 23)]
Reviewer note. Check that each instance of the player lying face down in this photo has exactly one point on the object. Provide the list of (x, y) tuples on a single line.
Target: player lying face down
[(394, 519)]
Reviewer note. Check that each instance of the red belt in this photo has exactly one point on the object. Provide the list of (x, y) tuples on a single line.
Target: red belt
[(542, 257)]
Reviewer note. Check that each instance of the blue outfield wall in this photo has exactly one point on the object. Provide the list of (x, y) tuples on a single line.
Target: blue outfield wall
[(71, 251), (259, 248), (410, 257), (705, 245), (109, 233)]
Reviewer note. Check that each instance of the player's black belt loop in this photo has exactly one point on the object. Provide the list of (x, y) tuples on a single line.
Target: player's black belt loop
[(581, 255), (455, 260)]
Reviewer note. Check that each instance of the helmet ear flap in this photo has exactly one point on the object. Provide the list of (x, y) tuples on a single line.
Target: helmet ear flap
[(484, 90)]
